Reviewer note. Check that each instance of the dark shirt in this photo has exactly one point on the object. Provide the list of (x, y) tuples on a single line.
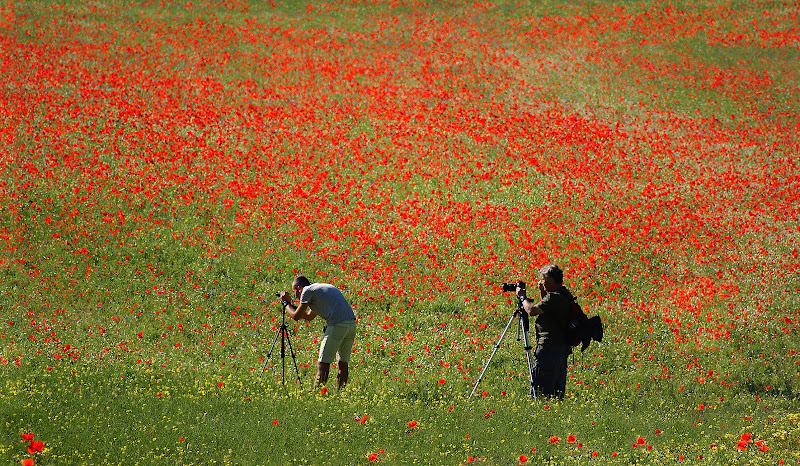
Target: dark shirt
[(551, 324)]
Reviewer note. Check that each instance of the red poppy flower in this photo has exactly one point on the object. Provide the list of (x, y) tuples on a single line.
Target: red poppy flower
[(35, 447), (741, 445)]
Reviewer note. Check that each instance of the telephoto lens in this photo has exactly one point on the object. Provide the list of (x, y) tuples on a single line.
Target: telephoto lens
[(511, 287)]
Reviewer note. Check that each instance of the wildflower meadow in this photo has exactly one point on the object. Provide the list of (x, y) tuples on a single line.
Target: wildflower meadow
[(167, 167)]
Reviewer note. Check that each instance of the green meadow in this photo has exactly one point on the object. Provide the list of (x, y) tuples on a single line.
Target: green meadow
[(167, 167)]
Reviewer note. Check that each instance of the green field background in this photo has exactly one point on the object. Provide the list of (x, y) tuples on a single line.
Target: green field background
[(167, 167)]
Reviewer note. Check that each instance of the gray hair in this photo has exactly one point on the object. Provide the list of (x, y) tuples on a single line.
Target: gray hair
[(553, 271)]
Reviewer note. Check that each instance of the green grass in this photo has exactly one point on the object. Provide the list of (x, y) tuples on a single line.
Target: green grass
[(112, 414)]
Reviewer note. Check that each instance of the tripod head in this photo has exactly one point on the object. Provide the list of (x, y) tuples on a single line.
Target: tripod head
[(523, 315), (524, 319), (283, 307)]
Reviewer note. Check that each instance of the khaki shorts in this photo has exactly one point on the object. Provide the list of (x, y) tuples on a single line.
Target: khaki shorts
[(338, 338)]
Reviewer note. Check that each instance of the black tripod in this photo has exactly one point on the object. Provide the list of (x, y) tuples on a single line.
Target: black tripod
[(522, 334), (282, 333)]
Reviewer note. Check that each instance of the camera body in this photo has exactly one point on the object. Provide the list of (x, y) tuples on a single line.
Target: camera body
[(512, 287)]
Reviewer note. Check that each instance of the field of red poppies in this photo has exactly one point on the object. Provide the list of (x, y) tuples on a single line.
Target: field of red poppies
[(166, 167)]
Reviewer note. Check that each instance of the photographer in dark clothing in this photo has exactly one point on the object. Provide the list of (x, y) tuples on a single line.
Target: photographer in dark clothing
[(552, 320)]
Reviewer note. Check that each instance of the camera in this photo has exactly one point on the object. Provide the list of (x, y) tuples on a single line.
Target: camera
[(512, 287)]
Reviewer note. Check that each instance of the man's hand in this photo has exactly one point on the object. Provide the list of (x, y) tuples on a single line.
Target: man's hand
[(521, 292), (285, 296)]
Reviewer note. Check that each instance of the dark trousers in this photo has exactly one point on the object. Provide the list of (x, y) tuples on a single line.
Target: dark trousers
[(550, 370)]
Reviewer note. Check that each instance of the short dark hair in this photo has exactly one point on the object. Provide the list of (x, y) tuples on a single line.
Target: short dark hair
[(553, 271), (300, 281)]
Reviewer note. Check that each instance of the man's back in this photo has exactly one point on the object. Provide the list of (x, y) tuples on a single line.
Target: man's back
[(328, 302), (551, 325)]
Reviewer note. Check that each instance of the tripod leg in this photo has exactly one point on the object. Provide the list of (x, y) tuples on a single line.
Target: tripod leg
[(269, 354), (284, 337), (530, 363), (496, 347), (294, 359)]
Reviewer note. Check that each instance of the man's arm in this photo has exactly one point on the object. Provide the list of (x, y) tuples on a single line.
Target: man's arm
[(532, 309), (528, 305), (301, 312)]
